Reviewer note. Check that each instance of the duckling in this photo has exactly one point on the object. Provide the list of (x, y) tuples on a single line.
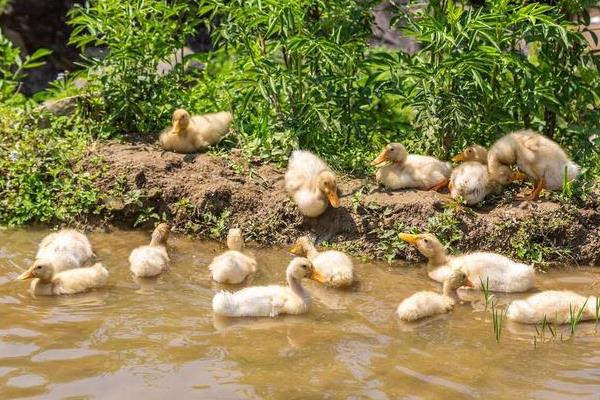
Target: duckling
[(471, 180), (48, 282), (427, 304), (410, 171), (191, 134), (500, 273), (232, 266), (66, 249), (556, 305), (536, 155), (311, 183), (335, 268), (269, 301), (153, 259)]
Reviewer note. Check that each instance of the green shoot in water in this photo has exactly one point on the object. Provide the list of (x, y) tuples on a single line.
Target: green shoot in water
[(485, 288), (597, 309), (575, 317), (497, 321)]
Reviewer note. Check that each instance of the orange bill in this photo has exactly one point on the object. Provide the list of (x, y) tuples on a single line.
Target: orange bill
[(296, 249), (316, 276), (409, 238), (382, 157), (26, 275), (468, 283), (459, 157), (333, 199)]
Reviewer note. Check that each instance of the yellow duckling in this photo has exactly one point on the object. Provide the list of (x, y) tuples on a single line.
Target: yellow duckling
[(48, 282), (556, 305), (333, 268), (233, 266), (311, 183), (500, 273), (427, 304), (471, 180), (190, 134), (268, 301), (151, 260), (537, 156), (410, 171), (65, 249)]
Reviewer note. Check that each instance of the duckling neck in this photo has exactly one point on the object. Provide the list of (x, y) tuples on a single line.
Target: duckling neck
[(449, 291), (437, 260), (298, 289), (157, 242)]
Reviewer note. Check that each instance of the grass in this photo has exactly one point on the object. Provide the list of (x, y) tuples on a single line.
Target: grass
[(497, 320), (485, 289), (575, 316)]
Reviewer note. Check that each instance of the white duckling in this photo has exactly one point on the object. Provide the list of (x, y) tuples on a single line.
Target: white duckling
[(427, 304), (48, 282), (66, 249), (190, 134), (233, 266), (153, 259), (311, 183), (500, 273), (334, 267), (269, 301), (556, 305), (539, 157), (471, 180), (410, 171)]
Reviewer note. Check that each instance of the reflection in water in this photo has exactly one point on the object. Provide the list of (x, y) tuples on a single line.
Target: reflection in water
[(157, 338)]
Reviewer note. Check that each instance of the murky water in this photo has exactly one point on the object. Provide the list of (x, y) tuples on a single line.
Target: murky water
[(159, 339)]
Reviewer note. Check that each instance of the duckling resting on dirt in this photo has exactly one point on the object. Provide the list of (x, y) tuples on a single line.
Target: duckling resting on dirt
[(190, 134), (540, 158), (471, 180), (311, 183), (410, 171)]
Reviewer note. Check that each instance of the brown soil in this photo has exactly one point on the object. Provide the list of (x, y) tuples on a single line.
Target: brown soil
[(206, 194)]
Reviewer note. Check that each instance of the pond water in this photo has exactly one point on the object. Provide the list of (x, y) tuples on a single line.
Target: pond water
[(159, 339)]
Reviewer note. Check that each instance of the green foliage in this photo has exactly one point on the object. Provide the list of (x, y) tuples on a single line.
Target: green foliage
[(44, 177), (446, 226), (302, 77), (133, 94), (483, 71)]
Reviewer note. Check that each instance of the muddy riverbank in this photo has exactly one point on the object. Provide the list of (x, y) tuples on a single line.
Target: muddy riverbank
[(204, 195)]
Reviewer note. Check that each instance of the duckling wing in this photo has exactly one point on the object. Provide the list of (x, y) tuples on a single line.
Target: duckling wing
[(256, 301), (232, 267), (80, 279), (67, 249), (148, 261), (303, 169), (423, 172), (499, 272), (555, 305), (423, 304), (471, 181), (336, 267)]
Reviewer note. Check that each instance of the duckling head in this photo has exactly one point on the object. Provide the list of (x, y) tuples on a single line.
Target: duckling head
[(458, 278), (394, 152), (181, 120), (235, 240), (326, 184), (160, 235), (41, 269), (472, 153), (302, 246), (301, 267), (426, 243)]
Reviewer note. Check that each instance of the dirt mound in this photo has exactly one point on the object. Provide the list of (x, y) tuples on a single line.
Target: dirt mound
[(206, 194)]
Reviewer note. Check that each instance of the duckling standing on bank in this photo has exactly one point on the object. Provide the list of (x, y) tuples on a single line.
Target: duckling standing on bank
[(427, 304), (536, 155), (500, 273), (269, 301), (233, 266), (48, 282), (311, 183), (410, 171), (190, 134), (153, 259), (471, 180), (558, 306), (334, 267), (65, 249)]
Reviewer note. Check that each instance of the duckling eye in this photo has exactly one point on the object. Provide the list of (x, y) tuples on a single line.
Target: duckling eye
[(392, 149), (38, 267)]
